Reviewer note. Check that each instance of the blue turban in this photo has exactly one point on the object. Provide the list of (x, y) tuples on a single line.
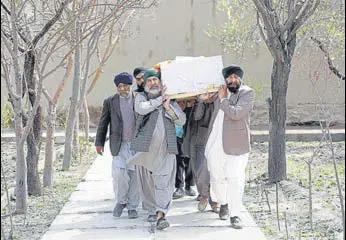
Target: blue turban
[(124, 78)]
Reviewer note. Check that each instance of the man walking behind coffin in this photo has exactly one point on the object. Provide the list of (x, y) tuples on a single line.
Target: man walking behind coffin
[(228, 145), (118, 113), (155, 140), (184, 179), (138, 73)]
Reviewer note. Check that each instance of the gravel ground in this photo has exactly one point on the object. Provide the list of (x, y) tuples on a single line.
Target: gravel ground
[(42, 209), (259, 197)]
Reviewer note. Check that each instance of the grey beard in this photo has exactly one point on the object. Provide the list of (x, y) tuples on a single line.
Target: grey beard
[(154, 93)]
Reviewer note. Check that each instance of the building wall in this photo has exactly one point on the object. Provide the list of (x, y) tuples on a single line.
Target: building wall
[(177, 28)]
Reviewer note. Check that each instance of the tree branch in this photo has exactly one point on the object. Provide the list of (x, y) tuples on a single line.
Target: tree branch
[(332, 68), (64, 80), (274, 55), (293, 11), (306, 13), (50, 23), (19, 28)]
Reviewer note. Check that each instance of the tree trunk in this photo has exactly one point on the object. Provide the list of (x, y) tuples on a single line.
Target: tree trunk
[(34, 186), (21, 168), (76, 145), (68, 139), (21, 180), (277, 118), (50, 149), (86, 118), (34, 137), (74, 103)]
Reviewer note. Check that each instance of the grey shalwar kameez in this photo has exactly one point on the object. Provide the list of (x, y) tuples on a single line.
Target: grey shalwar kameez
[(158, 160), (124, 175)]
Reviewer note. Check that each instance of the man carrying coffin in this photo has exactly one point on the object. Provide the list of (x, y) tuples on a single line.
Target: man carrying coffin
[(155, 140), (228, 145)]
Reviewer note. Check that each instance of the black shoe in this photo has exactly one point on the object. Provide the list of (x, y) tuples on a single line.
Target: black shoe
[(190, 192), (223, 213), (179, 193), (152, 218), (236, 222), (162, 223), (118, 209), (132, 214)]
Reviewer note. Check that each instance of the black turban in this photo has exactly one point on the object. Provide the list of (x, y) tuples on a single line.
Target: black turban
[(138, 70), (233, 69)]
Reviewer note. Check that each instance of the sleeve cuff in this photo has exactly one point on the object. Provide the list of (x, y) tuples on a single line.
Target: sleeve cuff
[(223, 99), (156, 102), (172, 113)]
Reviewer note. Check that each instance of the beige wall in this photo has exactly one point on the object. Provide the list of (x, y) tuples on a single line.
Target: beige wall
[(177, 28)]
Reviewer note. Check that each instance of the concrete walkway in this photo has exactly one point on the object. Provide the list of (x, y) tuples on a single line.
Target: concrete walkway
[(88, 215)]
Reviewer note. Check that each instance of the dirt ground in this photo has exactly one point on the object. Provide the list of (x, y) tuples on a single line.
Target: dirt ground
[(259, 196), (293, 194)]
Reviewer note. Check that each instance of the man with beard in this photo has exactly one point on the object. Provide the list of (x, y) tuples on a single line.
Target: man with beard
[(144, 177), (155, 141), (228, 145), (138, 74), (118, 113)]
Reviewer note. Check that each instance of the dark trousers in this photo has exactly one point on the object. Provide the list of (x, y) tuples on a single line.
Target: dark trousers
[(184, 175)]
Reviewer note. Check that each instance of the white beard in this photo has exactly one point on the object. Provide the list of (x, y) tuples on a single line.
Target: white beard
[(153, 92)]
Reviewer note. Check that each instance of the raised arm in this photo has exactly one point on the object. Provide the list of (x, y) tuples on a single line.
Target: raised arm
[(143, 106)]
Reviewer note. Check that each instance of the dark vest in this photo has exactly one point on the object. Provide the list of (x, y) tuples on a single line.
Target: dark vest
[(145, 125)]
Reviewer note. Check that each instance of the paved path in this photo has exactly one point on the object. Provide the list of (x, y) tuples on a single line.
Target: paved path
[(88, 215)]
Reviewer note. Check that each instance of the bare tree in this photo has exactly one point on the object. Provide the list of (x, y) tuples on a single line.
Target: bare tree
[(326, 138), (110, 18), (279, 32), (51, 123), (27, 46), (19, 63), (283, 26)]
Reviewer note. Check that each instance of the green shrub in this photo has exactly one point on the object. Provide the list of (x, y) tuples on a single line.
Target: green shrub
[(6, 116)]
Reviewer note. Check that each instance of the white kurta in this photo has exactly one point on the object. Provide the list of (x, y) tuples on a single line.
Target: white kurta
[(227, 172)]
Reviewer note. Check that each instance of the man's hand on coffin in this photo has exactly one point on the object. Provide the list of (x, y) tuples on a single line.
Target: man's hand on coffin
[(163, 91), (166, 102), (223, 92)]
